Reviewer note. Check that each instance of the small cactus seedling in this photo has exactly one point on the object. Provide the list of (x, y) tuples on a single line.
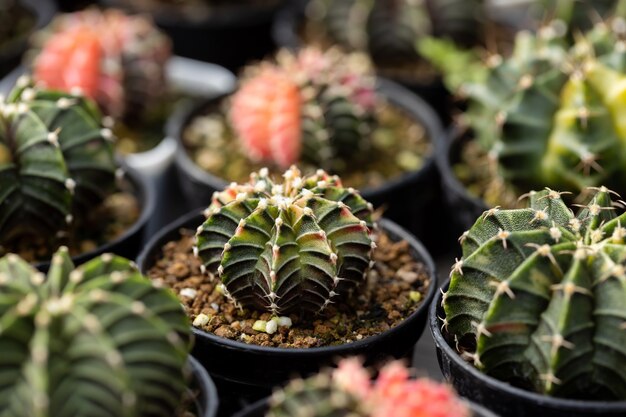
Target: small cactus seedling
[(315, 106), (539, 297), (56, 161), (116, 59), (99, 340), (349, 391), (295, 246)]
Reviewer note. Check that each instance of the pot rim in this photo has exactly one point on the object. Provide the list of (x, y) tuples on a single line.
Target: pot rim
[(495, 384), (159, 239), (145, 192), (397, 95), (206, 384)]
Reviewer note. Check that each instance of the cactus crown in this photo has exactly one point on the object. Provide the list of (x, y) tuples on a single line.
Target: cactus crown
[(56, 160), (348, 391), (314, 106), (115, 59), (298, 245), (542, 292), (97, 340)]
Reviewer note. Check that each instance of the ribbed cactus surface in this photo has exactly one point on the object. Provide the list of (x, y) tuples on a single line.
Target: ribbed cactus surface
[(100, 340), (292, 246), (541, 295), (56, 160), (315, 106)]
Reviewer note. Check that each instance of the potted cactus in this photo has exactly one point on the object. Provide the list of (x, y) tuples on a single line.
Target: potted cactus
[(283, 277), (60, 182), (316, 109), (227, 32), (548, 115), (96, 339), (348, 390), (533, 321)]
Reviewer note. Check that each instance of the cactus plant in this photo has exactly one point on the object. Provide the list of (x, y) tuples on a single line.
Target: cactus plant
[(348, 391), (538, 298), (314, 106), (295, 246), (116, 59), (94, 341), (56, 161), (578, 14)]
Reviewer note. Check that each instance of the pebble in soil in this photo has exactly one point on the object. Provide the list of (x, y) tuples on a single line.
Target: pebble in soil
[(394, 289)]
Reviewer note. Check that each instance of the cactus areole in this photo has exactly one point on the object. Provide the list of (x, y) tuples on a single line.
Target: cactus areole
[(295, 246), (539, 297)]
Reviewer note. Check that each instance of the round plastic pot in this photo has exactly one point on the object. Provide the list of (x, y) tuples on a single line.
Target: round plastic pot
[(11, 53), (248, 372), (206, 400), (260, 408), (129, 243), (230, 36), (412, 200), (285, 32), (501, 397)]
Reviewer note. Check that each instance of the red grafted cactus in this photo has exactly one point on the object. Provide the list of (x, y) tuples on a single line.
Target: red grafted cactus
[(115, 59), (315, 106)]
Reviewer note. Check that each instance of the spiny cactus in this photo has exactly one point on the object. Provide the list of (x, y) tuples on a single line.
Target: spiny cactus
[(388, 29), (116, 59), (541, 295), (315, 106), (56, 161), (348, 391), (296, 246), (578, 14), (100, 340)]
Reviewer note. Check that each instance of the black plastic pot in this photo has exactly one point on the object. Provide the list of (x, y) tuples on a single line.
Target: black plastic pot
[(230, 36), (501, 397), (130, 242), (11, 54), (245, 373), (206, 402), (412, 200)]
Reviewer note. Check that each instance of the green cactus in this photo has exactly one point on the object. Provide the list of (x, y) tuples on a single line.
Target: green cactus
[(100, 340), (578, 14), (539, 297), (56, 161), (295, 246)]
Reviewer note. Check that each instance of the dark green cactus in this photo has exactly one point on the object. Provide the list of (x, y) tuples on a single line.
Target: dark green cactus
[(100, 340), (56, 161), (296, 246), (539, 297), (578, 14)]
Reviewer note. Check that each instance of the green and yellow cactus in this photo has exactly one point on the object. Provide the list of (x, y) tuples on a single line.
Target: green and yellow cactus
[(56, 161), (539, 297), (295, 246), (99, 340)]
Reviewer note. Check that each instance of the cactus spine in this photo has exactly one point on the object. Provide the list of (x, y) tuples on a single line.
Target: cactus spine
[(56, 160), (542, 292), (99, 340), (296, 246)]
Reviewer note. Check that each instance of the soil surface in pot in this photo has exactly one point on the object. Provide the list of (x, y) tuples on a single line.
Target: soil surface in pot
[(116, 214), (399, 145), (16, 22), (395, 288)]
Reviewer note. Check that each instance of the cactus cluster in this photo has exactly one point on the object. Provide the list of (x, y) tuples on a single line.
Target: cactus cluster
[(348, 391), (388, 29), (56, 161), (116, 59), (295, 246), (100, 340), (539, 296), (316, 107)]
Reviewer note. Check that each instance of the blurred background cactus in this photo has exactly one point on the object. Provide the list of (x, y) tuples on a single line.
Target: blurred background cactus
[(537, 299), (295, 246), (577, 14), (349, 391), (314, 106), (97, 340), (56, 163)]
